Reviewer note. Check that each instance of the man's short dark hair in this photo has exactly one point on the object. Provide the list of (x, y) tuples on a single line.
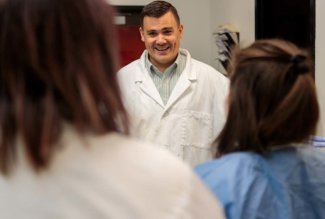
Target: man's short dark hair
[(157, 9)]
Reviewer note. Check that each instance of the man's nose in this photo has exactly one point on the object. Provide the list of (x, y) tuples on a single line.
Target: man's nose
[(161, 39)]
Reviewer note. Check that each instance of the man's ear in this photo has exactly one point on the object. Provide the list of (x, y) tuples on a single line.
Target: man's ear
[(141, 33), (181, 30)]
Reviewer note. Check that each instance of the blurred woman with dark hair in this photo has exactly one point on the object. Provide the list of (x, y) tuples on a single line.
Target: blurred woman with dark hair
[(264, 168), (63, 149)]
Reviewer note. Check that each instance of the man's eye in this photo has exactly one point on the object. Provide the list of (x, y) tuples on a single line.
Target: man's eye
[(152, 34), (168, 32)]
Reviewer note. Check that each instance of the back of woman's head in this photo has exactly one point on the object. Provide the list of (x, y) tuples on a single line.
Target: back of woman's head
[(272, 99), (58, 62)]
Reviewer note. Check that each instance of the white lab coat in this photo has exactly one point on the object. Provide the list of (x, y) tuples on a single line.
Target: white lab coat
[(193, 115), (105, 177)]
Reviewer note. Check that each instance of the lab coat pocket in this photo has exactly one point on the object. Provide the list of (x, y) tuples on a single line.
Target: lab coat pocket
[(197, 129)]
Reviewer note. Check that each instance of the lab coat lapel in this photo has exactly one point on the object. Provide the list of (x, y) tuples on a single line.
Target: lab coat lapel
[(184, 82), (147, 86)]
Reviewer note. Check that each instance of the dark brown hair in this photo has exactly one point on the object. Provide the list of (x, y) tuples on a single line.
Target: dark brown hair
[(157, 9), (58, 63), (272, 98)]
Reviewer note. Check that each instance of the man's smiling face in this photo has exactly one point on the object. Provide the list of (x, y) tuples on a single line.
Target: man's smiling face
[(161, 37)]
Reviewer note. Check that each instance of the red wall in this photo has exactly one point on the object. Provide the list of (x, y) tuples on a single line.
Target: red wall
[(131, 46)]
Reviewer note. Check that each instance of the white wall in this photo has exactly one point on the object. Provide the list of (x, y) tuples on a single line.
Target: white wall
[(239, 13), (129, 2), (320, 62)]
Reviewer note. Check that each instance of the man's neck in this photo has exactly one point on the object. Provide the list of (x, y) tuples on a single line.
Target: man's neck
[(162, 67)]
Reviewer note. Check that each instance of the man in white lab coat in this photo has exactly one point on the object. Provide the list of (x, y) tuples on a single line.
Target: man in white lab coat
[(173, 99)]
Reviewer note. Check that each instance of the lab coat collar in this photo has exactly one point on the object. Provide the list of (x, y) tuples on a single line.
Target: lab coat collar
[(188, 76), (191, 74)]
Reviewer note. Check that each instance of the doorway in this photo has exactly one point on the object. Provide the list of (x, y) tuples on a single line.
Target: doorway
[(292, 20)]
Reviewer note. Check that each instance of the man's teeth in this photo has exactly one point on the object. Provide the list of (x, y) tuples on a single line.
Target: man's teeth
[(162, 49)]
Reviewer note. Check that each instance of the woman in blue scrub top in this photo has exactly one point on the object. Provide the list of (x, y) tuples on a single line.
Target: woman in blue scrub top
[(263, 168)]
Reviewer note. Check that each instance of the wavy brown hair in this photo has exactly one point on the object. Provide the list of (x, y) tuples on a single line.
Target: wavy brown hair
[(272, 98), (58, 63)]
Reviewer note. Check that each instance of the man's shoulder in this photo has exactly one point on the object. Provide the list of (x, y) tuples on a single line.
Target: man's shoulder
[(130, 72), (207, 72), (131, 66), (204, 67)]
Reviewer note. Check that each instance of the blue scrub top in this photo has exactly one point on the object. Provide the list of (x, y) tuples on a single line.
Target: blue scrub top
[(287, 183)]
